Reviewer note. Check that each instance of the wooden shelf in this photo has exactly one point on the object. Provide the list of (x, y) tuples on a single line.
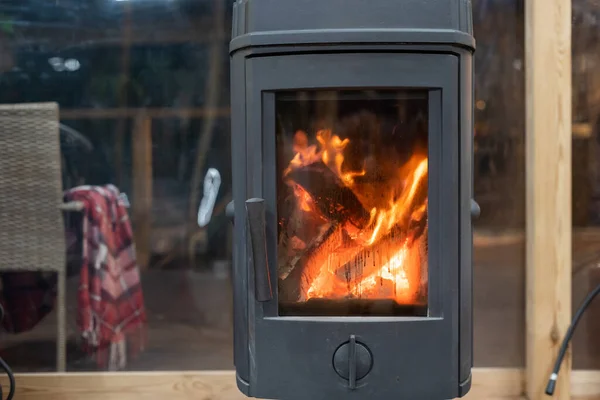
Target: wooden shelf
[(488, 383)]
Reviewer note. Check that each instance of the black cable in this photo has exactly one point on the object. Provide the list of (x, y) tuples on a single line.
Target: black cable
[(6, 368), (565, 343), (11, 379)]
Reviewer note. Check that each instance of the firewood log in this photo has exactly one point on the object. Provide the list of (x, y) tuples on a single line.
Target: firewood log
[(386, 250), (333, 250), (287, 264), (335, 200)]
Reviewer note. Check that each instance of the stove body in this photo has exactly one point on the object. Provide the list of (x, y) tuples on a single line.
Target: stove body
[(352, 127)]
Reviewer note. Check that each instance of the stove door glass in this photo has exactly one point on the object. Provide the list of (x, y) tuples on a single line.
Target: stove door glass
[(352, 191)]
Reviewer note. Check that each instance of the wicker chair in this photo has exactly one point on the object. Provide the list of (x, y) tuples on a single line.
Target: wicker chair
[(32, 236)]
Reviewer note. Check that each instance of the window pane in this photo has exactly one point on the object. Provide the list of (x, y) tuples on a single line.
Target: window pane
[(141, 92), (499, 245), (585, 179), (352, 202), (143, 95)]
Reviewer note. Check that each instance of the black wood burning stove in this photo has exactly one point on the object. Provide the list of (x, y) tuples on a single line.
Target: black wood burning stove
[(352, 131)]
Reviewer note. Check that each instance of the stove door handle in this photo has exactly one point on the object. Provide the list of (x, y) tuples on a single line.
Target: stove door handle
[(255, 211)]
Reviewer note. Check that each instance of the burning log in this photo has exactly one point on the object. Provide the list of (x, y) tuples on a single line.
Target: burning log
[(377, 254), (335, 263), (287, 264), (333, 250), (334, 199), (391, 252), (299, 232)]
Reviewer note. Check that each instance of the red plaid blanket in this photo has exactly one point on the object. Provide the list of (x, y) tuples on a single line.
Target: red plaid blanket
[(111, 314)]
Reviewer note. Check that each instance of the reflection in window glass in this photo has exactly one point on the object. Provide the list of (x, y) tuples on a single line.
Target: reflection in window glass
[(499, 251), (142, 90), (586, 178), (114, 178)]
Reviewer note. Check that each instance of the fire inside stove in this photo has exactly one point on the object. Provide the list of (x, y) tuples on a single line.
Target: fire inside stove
[(352, 202)]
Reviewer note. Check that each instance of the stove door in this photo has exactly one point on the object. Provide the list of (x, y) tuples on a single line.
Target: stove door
[(356, 157)]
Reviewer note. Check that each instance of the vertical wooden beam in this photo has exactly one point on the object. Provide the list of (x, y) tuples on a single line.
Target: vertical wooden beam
[(142, 188), (548, 176)]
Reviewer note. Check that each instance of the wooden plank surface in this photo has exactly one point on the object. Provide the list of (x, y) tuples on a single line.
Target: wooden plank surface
[(548, 172), (127, 386), (488, 384), (496, 383), (585, 384)]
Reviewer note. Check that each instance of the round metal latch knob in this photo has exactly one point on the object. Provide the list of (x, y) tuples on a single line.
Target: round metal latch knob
[(352, 361), (475, 209)]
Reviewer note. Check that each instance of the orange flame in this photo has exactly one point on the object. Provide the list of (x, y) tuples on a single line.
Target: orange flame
[(398, 208), (305, 202), (380, 262), (330, 152)]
